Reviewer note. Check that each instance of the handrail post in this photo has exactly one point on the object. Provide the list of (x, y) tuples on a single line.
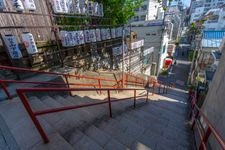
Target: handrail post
[(5, 90), (159, 88), (99, 85), (67, 82), (195, 117), (153, 89), (37, 124), (147, 95), (109, 102), (164, 89), (135, 82), (126, 80), (134, 98), (205, 138)]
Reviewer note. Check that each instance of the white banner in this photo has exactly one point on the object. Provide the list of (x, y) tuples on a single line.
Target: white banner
[(60, 6), (117, 50), (100, 10), (81, 37), (119, 32), (93, 35), (29, 43), (137, 44), (113, 33), (64, 38), (87, 36), (108, 33), (70, 6), (2, 4), (98, 34), (103, 34), (148, 51), (17, 5), (29, 5), (12, 46), (83, 6), (76, 7), (90, 6)]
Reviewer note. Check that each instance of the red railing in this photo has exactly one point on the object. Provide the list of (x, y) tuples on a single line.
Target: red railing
[(199, 118), (138, 81), (66, 77), (33, 115), (4, 87)]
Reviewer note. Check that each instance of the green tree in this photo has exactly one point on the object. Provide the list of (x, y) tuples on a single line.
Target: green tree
[(120, 11), (193, 29)]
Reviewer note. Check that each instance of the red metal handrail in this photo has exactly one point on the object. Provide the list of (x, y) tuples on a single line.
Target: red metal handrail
[(3, 82), (33, 115), (204, 135), (53, 73), (66, 76)]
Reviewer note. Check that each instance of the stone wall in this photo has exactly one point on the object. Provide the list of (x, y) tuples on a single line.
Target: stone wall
[(214, 105)]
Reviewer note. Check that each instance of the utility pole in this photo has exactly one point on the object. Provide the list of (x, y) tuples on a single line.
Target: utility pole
[(161, 44)]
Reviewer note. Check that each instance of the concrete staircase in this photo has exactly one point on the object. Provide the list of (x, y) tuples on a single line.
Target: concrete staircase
[(158, 124)]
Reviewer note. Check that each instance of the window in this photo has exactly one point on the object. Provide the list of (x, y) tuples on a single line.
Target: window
[(207, 5), (143, 18), (164, 49), (144, 8), (136, 18), (208, 1), (136, 9), (220, 4)]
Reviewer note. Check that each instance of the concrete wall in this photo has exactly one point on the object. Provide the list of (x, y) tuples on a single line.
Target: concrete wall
[(214, 105)]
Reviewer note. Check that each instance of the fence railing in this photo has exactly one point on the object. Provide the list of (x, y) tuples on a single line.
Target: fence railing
[(33, 114), (204, 127), (9, 95), (136, 81)]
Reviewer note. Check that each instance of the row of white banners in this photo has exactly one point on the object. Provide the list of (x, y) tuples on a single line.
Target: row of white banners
[(78, 7), (19, 5), (13, 46), (74, 38), (60, 6), (137, 44)]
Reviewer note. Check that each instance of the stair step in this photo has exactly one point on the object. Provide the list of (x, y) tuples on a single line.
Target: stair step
[(103, 139), (61, 121), (99, 111), (18, 121), (67, 121), (152, 127), (165, 113), (97, 135), (117, 133), (78, 114), (56, 143), (86, 143)]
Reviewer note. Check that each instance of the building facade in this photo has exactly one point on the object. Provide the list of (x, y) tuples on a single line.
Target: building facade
[(150, 10), (152, 33)]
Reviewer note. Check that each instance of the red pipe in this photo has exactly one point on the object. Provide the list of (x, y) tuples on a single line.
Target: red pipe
[(134, 98), (33, 117), (109, 102), (5, 90)]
